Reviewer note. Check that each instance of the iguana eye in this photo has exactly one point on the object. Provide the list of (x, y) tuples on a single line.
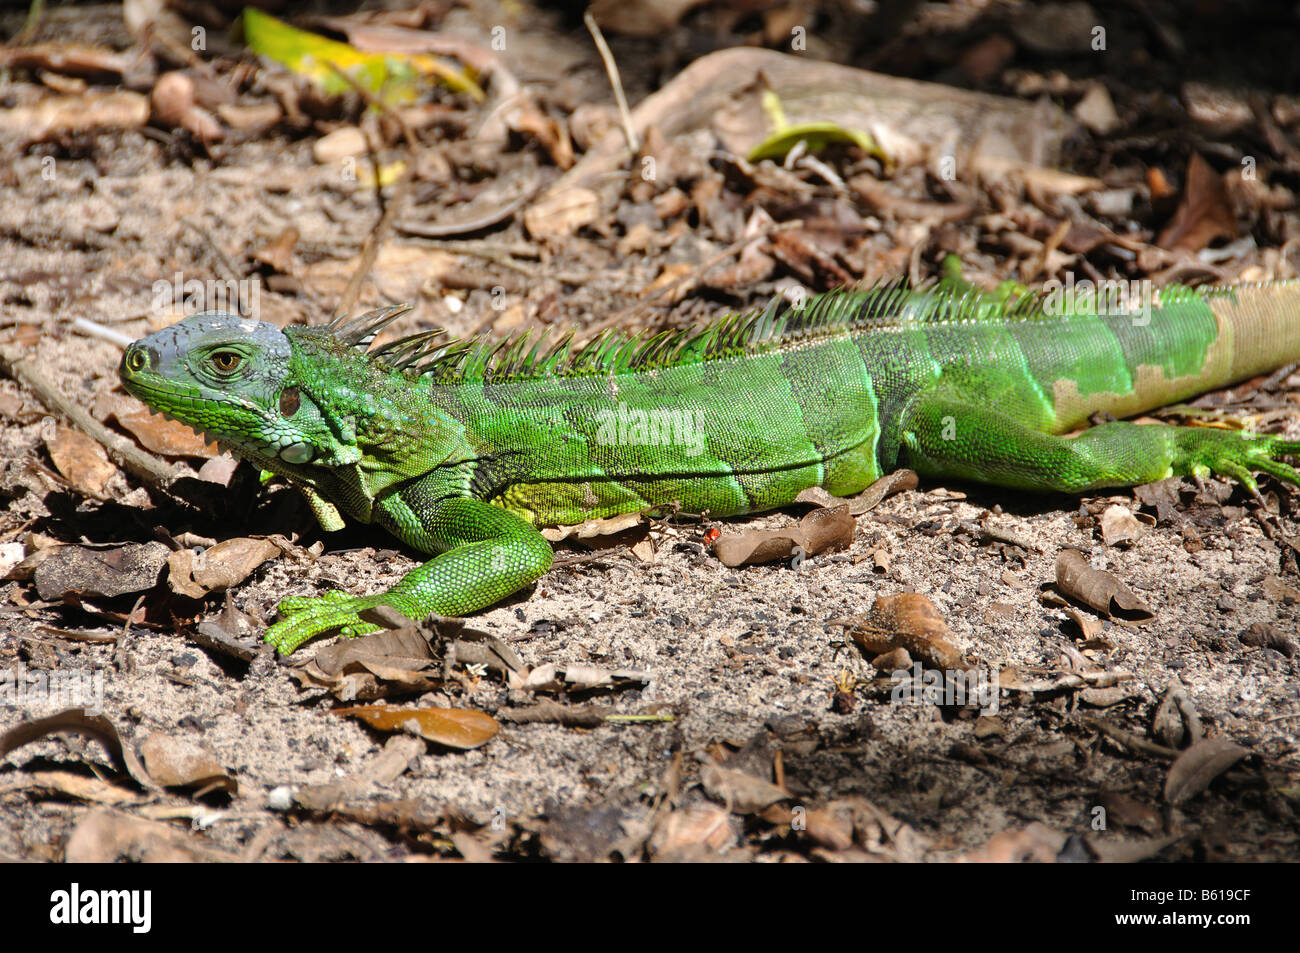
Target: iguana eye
[(226, 361)]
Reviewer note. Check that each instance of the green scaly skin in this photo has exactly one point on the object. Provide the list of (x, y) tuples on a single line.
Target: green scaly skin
[(461, 449)]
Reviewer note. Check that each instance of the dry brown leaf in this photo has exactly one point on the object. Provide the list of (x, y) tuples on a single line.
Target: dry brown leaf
[(1263, 634), (343, 143), (177, 762), (1194, 769), (104, 837), (1035, 844), (174, 107), (1104, 697), (82, 460), (643, 18), (81, 786), (68, 59), (253, 119), (1204, 213), (909, 621), (219, 469), (401, 270), (1098, 590), (222, 566), (741, 793), (556, 677), (278, 253), (529, 120), (80, 721), (391, 646), (821, 530), (846, 822), (561, 214), (1089, 627), (88, 571), (461, 728), (1276, 589), (168, 438), (1096, 110), (81, 114), (1167, 724), (1120, 527), (868, 499), (373, 666), (597, 528), (697, 825), (1129, 812), (832, 825)]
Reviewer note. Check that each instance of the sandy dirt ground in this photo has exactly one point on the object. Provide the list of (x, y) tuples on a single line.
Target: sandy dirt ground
[(763, 731)]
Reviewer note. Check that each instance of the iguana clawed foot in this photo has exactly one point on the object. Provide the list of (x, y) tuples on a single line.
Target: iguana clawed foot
[(1202, 451), (305, 617)]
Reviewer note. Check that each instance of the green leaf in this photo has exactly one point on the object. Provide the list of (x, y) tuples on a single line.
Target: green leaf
[(394, 78), (817, 136)]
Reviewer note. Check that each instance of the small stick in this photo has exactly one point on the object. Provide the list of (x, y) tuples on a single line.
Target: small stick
[(122, 451), (370, 249), (486, 220), (1130, 740), (612, 69), (96, 330)]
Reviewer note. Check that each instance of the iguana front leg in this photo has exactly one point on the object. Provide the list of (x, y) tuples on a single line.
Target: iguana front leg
[(943, 435), (485, 554)]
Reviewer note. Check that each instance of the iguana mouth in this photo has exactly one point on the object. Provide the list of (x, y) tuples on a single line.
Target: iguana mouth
[(156, 398)]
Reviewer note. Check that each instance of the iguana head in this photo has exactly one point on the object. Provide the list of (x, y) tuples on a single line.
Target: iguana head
[(232, 379)]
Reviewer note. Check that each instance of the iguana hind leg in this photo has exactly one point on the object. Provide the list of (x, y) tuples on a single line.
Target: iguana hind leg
[(489, 553), (947, 436)]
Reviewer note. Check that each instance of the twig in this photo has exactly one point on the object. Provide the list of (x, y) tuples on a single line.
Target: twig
[(370, 249), (96, 330), (546, 711), (506, 254), (211, 637), (489, 218), (122, 451), (1130, 740), (612, 69), (30, 24), (372, 100)]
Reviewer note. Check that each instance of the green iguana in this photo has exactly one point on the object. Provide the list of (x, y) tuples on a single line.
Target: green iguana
[(463, 448)]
